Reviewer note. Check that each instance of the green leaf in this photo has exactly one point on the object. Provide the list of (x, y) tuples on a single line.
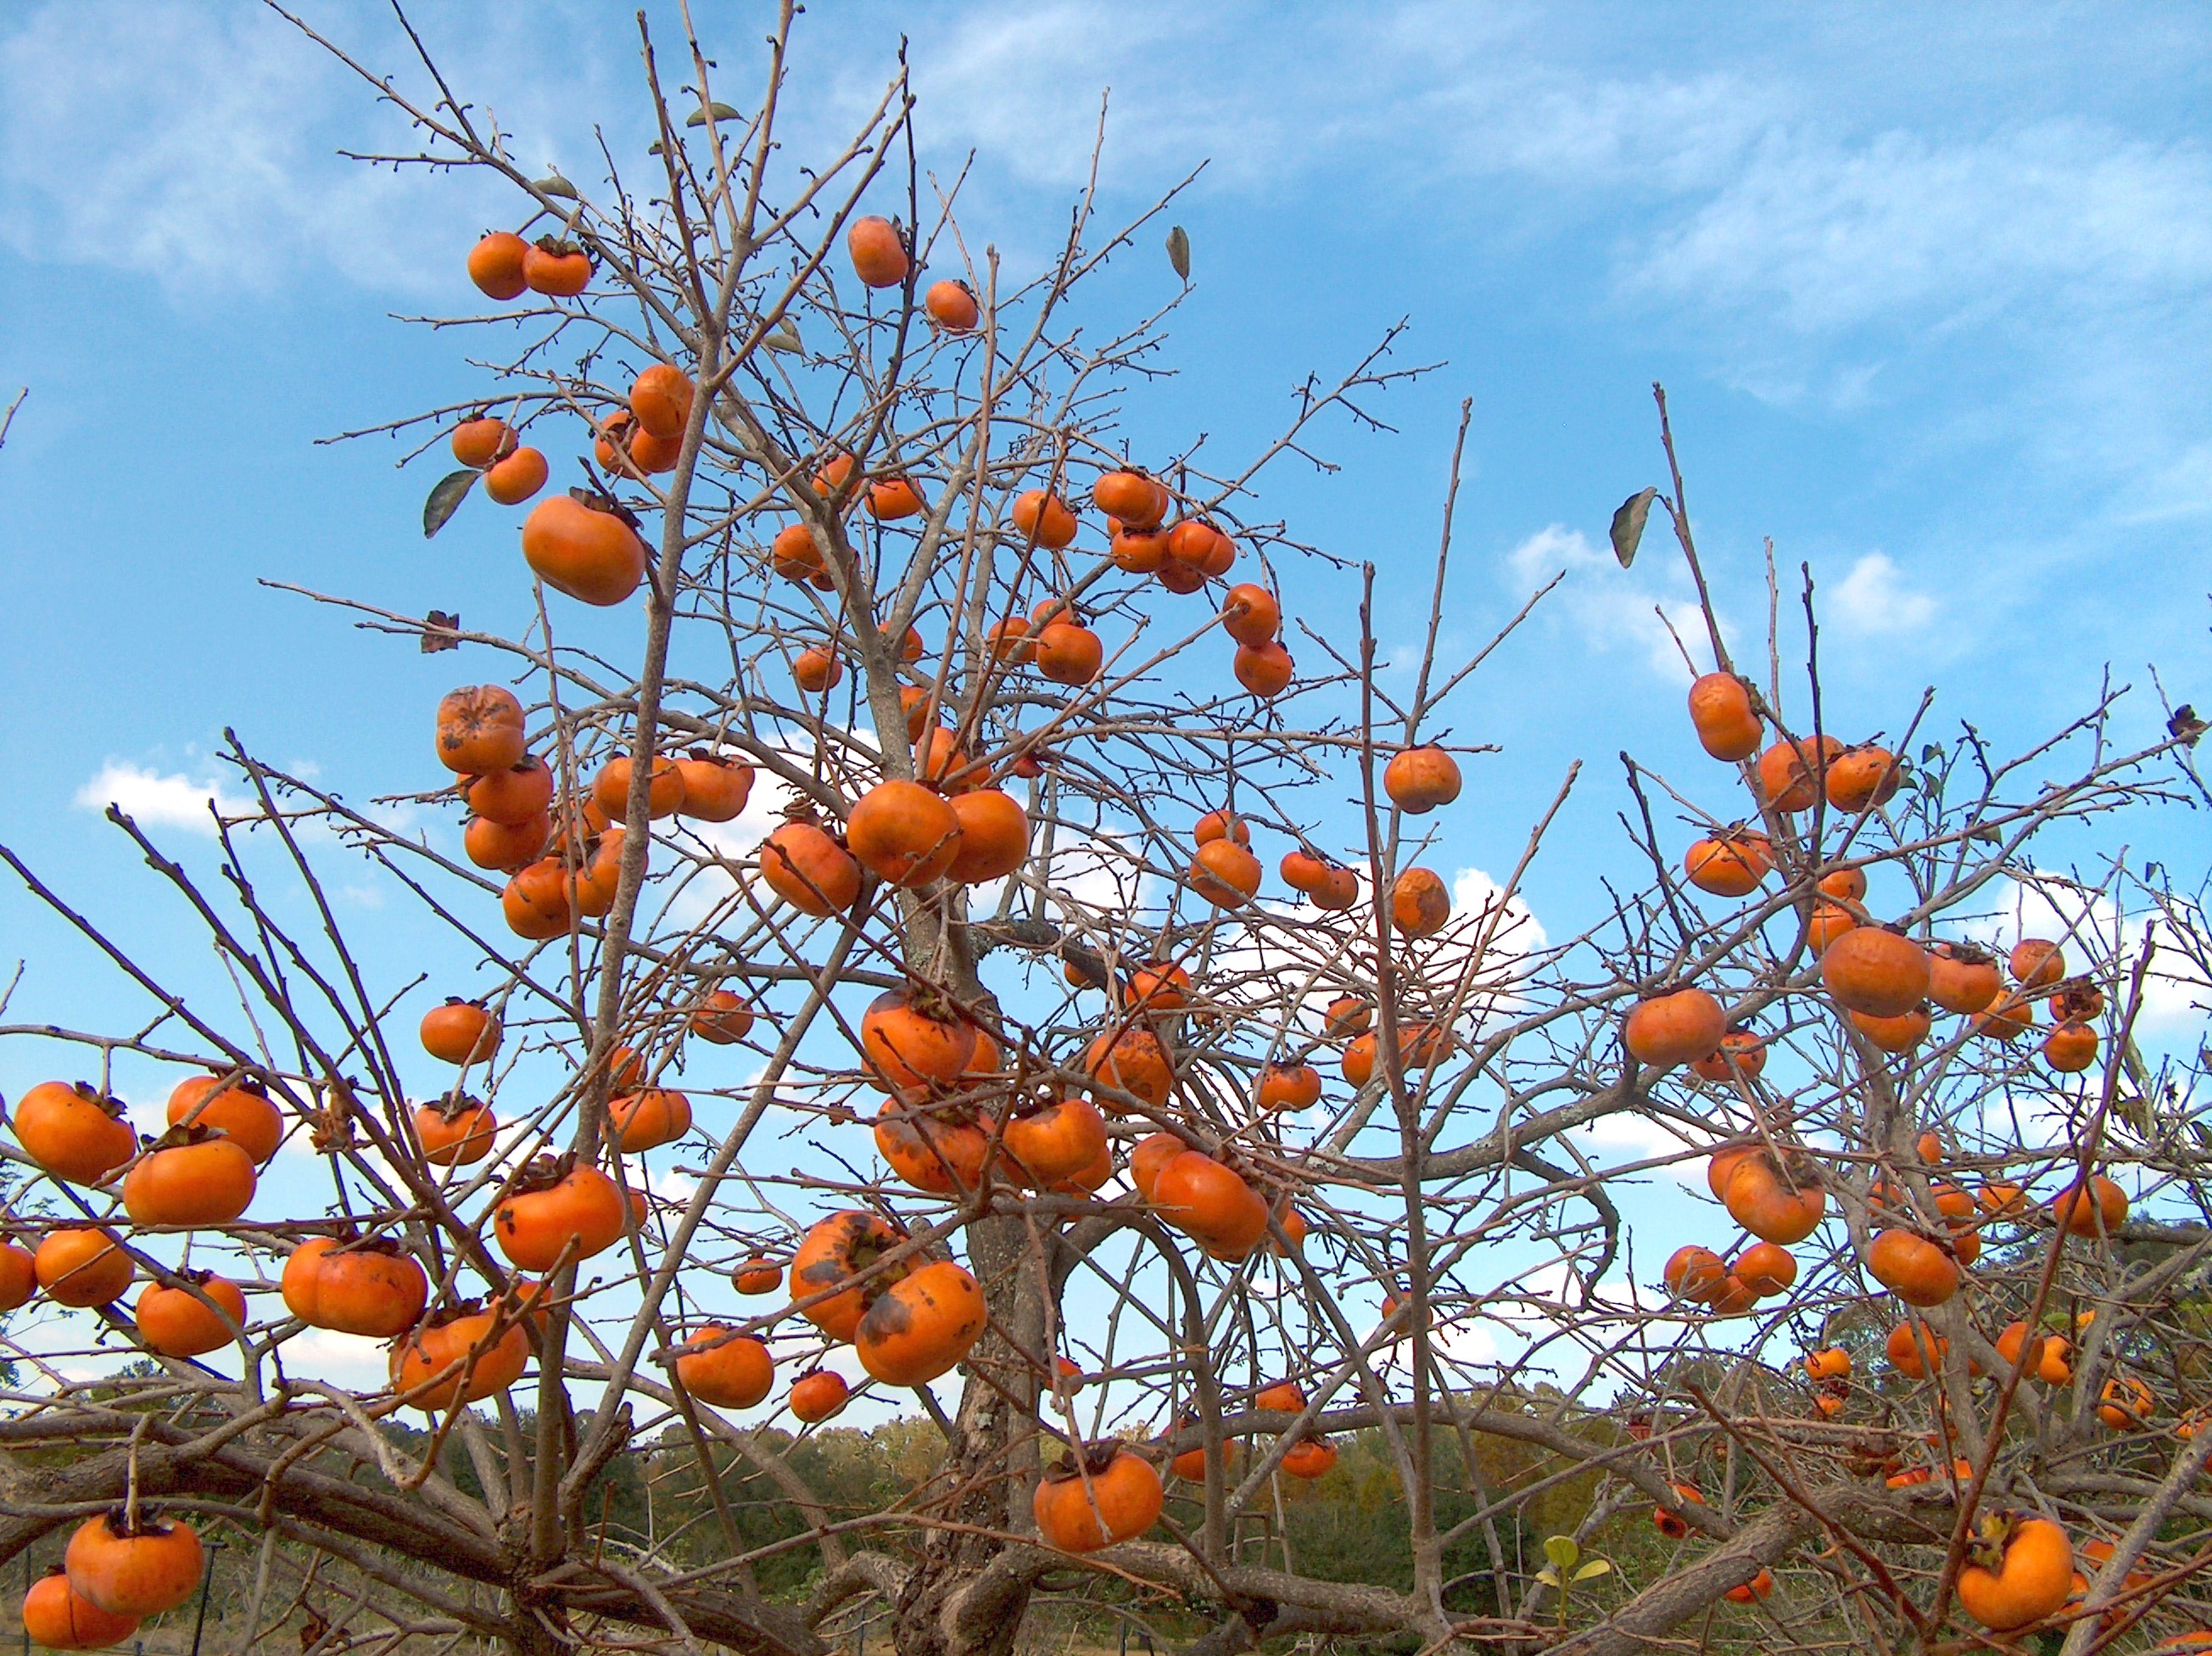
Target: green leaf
[(718, 110), (1596, 1566), (1547, 1578), (1562, 1550), (1179, 251), (446, 499), (784, 337), (1930, 753), (653, 148), (1628, 525), (554, 185)]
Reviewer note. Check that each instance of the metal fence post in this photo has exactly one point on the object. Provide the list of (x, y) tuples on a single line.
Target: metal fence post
[(207, 1586)]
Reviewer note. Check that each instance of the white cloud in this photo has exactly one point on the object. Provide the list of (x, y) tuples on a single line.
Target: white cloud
[(166, 139), (157, 800), (1632, 1135), (1612, 608), (1822, 234), (1871, 599)]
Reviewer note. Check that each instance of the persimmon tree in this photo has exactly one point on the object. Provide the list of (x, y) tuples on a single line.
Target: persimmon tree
[(880, 984)]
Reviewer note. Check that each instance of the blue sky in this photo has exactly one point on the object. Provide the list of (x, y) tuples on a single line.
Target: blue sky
[(1928, 287)]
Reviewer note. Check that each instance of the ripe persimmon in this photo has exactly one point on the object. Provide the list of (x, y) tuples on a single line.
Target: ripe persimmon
[(456, 1133), (1741, 1051), (1131, 1060), (2020, 1571), (2100, 1214), (496, 264), (552, 1211), (2071, 1048), (1729, 864), (73, 1131), (1912, 1350), (994, 836), (1419, 779), (794, 555), (833, 1256), (660, 398), (818, 1394), (1861, 778), (1694, 1273), (18, 1276), (715, 786), (1721, 711), (1309, 1458), (176, 1321), (588, 553), (808, 870), (59, 1617), (479, 730), (1874, 969), (2047, 1354), (1774, 1203), (664, 788), (555, 268), (1789, 773), (83, 1265), (1846, 885), (911, 1043), (878, 252), (728, 1371), (1210, 1203), (191, 1176), (939, 1152), (479, 442), (1225, 873), (2126, 1404), (1420, 903), (920, 1325), (1765, 1268), (460, 1032), (1916, 1271), (1057, 1140), (1962, 977), (1251, 615), (517, 477), (235, 1105), (503, 847), (892, 498), (904, 833), (1045, 518), (462, 1356), (140, 1567), (1115, 1495), (647, 1119), (2037, 963), (1289, 1087), (952, 305), (1266, 669), (1677, 1028)]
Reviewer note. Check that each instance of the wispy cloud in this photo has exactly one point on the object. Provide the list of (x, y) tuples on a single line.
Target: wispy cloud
[(1872, 600), (1607, 607)]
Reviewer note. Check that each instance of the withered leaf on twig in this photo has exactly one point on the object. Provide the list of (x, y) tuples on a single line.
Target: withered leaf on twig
[(446, 499), (333, 1127), (440, 631), (1628, 525), (1179, 251)]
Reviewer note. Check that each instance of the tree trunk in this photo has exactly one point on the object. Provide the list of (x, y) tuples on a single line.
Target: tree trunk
[(953, 1603)]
